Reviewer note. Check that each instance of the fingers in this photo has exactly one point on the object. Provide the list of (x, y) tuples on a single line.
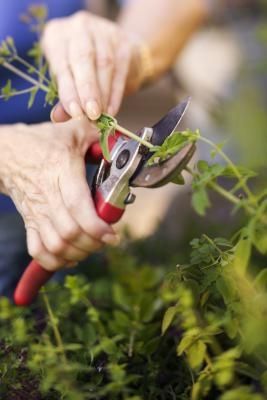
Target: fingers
[(82, 59), (37, 250), (122, 64), (58, 114), (90, 58), (105, 64), (78, 201)]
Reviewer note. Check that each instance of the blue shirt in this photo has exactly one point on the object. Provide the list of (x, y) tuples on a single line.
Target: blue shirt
[(16, 108)]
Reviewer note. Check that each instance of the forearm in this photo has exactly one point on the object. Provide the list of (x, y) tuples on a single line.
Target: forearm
[(164, 25)]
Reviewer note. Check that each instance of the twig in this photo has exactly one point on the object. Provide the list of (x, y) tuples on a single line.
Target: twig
[(28, 78), (54, 327)]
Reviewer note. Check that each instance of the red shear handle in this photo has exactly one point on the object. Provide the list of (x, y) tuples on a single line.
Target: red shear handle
[(35, 276)]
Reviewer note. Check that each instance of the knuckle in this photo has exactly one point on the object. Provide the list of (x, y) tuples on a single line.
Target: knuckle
[(56, 246), (80, 18), (93, 228), (71, 232), (85, 57), (105, 61), (51, 28), (72, 203)]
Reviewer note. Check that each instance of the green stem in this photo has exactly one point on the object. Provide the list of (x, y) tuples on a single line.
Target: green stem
[(18, 93), (29, 66), (24, 76), (54, 327), (229, 196), (212, 243), (132, 135), (231, 165)]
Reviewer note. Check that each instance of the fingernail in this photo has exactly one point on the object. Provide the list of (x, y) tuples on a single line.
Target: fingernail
[(52, 113), (92, 110), (75, 109), (111, 239)]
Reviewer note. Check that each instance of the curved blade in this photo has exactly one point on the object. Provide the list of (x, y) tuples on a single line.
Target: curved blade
[(161, 130), (159, 175), (168, 124)]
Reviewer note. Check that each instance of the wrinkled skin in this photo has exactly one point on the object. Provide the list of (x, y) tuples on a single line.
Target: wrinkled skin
[(94, 62), (42, 169)]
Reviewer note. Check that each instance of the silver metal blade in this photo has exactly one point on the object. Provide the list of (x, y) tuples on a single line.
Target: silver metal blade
[(161, 130), (159, 175), (168, 124)]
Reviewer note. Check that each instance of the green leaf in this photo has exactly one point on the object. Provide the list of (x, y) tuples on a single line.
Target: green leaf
[(261, 280), (241, 393), (196, 354), (32, 96), (7, 90), (219, 146), (178, 180), (172, 145), (226, 289), (260, 239), (52, 94), (242, 253), (106, 125), (168, 318), (200, 200)]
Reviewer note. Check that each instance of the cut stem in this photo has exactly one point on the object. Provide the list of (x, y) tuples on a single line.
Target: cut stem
[(132, 135)]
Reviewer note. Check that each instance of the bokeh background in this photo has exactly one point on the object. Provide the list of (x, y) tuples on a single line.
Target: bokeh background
[(224, 69)]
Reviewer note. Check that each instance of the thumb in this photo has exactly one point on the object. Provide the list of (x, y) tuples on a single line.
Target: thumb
[(58, 114)]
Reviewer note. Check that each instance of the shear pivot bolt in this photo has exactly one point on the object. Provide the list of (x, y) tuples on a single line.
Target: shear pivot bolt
[(122, 159), (130, 198)]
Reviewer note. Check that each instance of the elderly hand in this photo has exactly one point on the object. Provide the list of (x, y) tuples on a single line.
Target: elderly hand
[(42, 169), (94, 62)]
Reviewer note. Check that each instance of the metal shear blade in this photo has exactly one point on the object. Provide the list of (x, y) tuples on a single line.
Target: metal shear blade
[(164, 172)]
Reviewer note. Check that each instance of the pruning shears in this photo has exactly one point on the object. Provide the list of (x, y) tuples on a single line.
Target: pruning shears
[(114, 179)]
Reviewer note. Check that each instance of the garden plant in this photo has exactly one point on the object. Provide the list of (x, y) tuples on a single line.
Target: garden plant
[(134, 325)]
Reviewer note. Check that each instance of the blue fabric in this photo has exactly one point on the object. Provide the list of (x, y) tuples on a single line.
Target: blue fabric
[(15, 109)]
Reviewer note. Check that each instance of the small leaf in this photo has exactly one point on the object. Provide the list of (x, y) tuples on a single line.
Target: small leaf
[(32, 96), (7, 90), (106, 125), (168, 318), (172, 145), (225, 289), (178, 180), (196, 354), (200, 200), (261, 280), (242, 252)]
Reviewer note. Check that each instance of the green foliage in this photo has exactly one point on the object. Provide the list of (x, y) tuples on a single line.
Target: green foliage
[(106, 125), (172, 145), (134, 333)]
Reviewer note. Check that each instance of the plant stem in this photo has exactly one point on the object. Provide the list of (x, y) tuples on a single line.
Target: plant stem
[(212, 243), (132, 135), (30, 66), (55, 327), (231, 165), (28, 78), (18, 92), (229, 196)]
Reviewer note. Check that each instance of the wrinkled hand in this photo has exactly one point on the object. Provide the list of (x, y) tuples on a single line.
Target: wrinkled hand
[(44, 173), (93, 60)]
